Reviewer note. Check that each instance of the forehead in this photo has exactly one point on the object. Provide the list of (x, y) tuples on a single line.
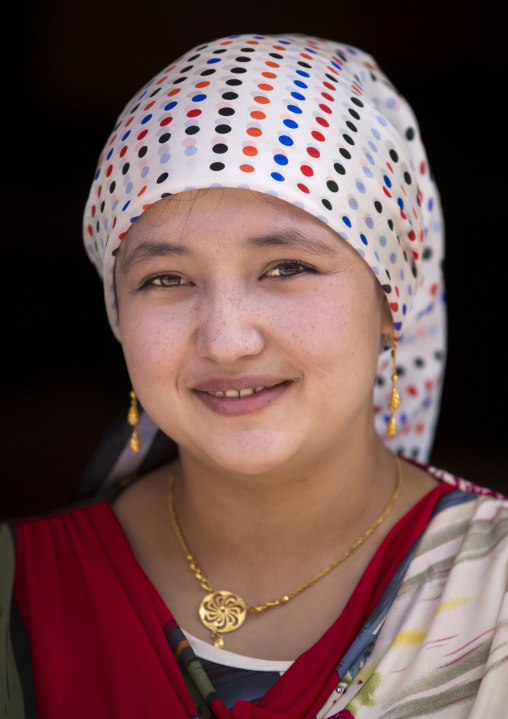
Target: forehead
[(203, 205), (199, 216)]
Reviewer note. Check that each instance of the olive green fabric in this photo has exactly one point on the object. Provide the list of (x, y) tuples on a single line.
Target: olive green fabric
[(17, 694)]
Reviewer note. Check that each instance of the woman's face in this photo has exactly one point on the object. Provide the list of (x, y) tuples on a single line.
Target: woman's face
[(250, 329)]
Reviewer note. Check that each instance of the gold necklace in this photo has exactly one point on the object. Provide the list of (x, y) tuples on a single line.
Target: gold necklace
[(222, 611)]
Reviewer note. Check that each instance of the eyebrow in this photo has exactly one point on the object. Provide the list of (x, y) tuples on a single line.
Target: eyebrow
[(293, 239), (145, 251)]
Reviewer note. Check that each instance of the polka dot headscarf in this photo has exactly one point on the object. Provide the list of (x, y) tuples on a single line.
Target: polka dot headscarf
[(317, 124)]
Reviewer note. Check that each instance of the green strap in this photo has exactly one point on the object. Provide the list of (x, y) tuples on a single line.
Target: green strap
[(11, 692)]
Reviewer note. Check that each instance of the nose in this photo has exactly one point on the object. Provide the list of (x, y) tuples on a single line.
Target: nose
[(229, 327)]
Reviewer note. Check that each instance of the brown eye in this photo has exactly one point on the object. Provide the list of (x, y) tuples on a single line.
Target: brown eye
[(287, 269), (165, 280)]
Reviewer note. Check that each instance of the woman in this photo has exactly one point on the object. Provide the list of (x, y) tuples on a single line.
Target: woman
[(266, 226)]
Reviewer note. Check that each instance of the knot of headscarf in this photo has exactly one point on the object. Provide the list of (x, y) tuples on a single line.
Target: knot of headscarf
[(317, 124)]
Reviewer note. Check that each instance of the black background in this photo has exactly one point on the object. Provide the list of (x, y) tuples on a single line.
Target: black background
[(70, 69)]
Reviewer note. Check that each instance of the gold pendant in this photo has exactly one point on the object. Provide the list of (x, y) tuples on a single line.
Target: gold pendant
[(222, 612)]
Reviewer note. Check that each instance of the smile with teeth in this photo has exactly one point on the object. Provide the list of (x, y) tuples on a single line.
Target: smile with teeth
[(233, 393)]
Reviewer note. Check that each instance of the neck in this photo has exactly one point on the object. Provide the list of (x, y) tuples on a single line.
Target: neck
[(290, 523)]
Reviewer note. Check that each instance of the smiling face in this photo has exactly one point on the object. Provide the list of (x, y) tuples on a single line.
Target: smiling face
[(250, 330)]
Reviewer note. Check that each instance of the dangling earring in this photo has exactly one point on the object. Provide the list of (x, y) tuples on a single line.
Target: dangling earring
[(391, 429), (132, 420)]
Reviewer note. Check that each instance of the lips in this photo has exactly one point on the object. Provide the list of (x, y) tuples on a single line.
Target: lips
[(224, 399)]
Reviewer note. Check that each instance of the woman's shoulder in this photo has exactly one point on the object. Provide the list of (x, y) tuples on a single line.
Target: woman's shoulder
[(468, 503), (468, 524), (69, 515), (463, 485), (443, 636), (34, 552), (468, 529), (43, 540)]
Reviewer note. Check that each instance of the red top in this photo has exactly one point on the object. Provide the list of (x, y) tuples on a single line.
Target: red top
[(95, 623)]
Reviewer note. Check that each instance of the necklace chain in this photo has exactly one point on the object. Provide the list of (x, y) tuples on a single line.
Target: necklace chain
[(222, 611)]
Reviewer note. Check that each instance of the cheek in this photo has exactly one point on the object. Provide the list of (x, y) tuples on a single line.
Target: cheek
[(338, 329), (152, 343)]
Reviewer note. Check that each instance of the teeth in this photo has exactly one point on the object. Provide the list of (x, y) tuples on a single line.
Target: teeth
[(246, 392), (233, 393)]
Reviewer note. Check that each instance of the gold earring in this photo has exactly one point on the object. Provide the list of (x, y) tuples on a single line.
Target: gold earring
[(391, 429), (132, 420)]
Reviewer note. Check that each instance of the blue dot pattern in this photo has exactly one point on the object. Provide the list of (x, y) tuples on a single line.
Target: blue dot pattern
[(317, 124)]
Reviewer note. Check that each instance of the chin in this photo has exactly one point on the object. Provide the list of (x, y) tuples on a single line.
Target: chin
[(249, 456)]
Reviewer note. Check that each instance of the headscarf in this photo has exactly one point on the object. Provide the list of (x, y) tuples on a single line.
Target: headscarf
[(315, 123)]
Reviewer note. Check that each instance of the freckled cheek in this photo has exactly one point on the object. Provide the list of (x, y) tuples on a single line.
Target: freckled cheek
[(154, 346), (340, 333), (318, 325)]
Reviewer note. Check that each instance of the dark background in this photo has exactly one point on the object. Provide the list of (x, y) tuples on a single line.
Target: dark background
[(71, 68)]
